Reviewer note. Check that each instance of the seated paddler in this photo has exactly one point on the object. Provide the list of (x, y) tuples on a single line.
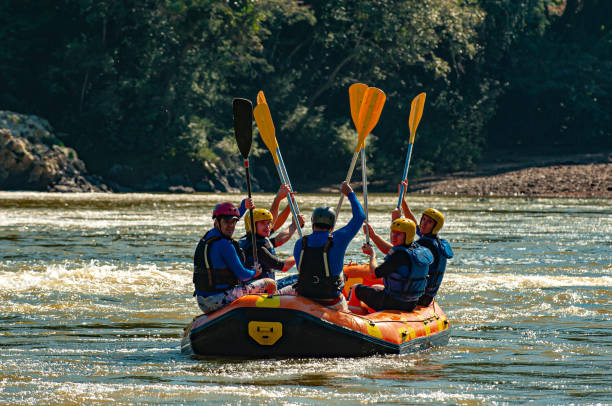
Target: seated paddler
[(320, 255), (266, 246), (220, 275), (404, 271), (428, 228)]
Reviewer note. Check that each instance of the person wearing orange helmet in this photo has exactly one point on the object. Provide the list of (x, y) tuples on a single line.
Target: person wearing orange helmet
[(404, 270), (220, 275)]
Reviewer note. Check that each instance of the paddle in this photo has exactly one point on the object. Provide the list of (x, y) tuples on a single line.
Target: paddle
[(356, 93), (263, 118), (369, 113), (243, 129), (416, 112), (261, 99)]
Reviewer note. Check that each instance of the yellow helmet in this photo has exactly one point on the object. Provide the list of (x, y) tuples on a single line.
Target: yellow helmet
[(436, 216), (258, 215), (406, 226)]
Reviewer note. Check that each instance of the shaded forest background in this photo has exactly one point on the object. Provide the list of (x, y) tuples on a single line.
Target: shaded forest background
[(143, 89)]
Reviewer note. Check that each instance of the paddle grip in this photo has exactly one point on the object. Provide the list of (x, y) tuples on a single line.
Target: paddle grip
[(253, 230)]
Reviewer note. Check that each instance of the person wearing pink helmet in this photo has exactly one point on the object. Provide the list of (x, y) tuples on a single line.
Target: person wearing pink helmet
[(220, 275)]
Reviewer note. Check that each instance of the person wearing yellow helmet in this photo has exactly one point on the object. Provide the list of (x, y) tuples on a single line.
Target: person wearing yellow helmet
[(266, 253), (404, 270), (432, 221)]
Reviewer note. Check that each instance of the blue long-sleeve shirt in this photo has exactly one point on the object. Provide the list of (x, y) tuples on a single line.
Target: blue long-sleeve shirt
[(223, 255), (341, 238)]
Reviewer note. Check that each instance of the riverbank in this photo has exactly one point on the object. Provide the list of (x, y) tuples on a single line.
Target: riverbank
[(580, 175)]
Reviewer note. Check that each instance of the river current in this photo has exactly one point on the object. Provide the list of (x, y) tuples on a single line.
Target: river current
[(95, 290)]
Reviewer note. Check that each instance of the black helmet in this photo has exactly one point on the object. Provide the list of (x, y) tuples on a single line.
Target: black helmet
[(323, 217)]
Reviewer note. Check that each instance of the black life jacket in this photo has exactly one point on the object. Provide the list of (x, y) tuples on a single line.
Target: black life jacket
[(246, 243), (314, 278), (207, 279)]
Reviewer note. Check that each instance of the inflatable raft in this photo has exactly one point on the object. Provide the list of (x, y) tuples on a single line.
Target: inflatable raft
[(269, 325)]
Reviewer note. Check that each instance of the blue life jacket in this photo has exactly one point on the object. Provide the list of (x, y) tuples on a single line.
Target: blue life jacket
[(246, 243), (441, 251), (408, 281)]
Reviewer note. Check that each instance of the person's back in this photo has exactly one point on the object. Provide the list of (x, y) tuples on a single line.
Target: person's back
[(320, 255), (404, 271)]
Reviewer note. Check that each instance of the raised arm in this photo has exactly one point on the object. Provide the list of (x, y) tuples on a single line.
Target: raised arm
[(285, 235), (407, 212), (280, 195), (380, 242)]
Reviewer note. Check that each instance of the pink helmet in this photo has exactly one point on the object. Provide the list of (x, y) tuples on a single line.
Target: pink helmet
[(226, 209)]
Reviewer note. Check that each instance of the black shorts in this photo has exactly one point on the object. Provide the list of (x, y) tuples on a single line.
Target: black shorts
[(380, 300)]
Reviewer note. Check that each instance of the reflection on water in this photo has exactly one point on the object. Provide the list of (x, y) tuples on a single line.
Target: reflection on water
[(95, 290)]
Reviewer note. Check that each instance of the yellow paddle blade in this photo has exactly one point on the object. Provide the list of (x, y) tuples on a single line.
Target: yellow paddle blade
[(356, 92), (263, 118), (261, 99), (416, 112), (369, 113)]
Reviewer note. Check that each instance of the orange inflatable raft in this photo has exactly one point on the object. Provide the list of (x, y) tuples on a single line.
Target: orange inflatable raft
[(267, 325)]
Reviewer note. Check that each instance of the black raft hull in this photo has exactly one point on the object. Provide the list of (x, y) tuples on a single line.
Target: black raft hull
[(245, 329)]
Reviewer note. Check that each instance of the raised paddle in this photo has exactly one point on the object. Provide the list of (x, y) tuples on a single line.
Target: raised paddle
[(369, 113), (416, 112), (263, 118), (356, 93), (261, 99), (243, 129)]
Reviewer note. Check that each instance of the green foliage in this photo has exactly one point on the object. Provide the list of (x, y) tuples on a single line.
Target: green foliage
[(147, 86)]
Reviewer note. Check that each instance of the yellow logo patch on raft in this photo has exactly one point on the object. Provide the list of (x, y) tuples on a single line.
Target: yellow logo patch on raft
[(268, 301), (265, 332)]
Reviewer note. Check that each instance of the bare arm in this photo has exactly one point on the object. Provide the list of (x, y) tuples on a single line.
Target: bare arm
[(368, 250), (407, 212), (280, 195), (380, 242), (285, 235)]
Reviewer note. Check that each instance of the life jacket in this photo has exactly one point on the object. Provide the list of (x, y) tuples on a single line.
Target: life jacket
[(315, 281), (407, 282), (246, 243), (207, 279), (441, 251)]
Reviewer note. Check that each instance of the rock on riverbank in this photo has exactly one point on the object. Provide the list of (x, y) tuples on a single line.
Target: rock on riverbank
[(32, 158)]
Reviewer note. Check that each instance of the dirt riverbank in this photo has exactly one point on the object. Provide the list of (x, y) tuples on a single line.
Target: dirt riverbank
[(585, 175)]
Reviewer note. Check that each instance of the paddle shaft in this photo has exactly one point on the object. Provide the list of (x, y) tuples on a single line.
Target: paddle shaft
[(364, 179), (286, 176), (253, 230), (348, 179), (405, 175), (289, 199)]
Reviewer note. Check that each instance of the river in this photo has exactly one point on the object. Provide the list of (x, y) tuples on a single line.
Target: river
[(95, 291)]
